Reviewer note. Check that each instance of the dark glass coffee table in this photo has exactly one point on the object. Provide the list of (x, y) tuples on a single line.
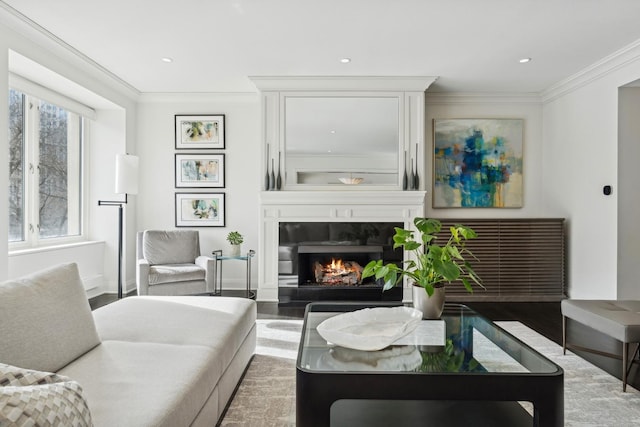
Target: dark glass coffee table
[(477, 375)]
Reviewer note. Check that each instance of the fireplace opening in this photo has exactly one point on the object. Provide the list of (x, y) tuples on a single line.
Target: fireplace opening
[(336, 265), (306, 251)]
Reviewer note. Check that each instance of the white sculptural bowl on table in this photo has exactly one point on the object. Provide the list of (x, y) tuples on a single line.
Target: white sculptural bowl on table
[(370, 329), (392, 358)]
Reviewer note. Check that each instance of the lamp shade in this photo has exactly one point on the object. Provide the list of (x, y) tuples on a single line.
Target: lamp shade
[(126, 174)]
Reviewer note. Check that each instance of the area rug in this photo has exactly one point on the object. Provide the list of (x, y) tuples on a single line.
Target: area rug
[(266, 395)]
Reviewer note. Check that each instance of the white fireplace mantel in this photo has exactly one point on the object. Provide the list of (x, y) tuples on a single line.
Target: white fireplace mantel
[(335, 203), (325, 206)]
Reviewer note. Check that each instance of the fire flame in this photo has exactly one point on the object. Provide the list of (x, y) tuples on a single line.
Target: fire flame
[(338, 268), (338, 272)]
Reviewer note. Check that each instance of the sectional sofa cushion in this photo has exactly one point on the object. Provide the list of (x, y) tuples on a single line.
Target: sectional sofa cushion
[(220, 323), (163, 359), (35, 398), (45, 319), (132, 384)]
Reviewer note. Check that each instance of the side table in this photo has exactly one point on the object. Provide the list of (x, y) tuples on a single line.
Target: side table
[(217, 278)]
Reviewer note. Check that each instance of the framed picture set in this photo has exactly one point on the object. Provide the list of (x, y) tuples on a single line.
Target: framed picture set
[(199, 170), (200, 131), (200, 210)]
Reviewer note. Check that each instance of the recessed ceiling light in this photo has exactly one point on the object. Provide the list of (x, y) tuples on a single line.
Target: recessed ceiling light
[(345, 60), (332, 131), (525, 60), (167, 59)]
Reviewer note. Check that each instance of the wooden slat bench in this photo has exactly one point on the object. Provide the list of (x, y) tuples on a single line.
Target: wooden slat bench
[(620, 319)]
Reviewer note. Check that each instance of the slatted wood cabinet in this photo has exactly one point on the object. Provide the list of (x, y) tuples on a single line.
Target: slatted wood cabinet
[(518, 259)]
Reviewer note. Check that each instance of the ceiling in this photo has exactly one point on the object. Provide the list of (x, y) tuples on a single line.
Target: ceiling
[(471, 45)]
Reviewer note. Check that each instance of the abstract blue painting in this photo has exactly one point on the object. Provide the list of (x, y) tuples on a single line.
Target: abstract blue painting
[(477, 163)]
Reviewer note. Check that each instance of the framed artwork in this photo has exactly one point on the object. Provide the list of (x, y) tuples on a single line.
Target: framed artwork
[(200, 210), (199, 171), (477, 163), (199, 131)]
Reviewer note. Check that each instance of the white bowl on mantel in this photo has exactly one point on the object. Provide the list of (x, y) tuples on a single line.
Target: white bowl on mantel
[(351, 181)]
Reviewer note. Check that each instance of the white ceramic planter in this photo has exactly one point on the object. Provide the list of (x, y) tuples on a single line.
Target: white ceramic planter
[(430, 306), (235, 250)]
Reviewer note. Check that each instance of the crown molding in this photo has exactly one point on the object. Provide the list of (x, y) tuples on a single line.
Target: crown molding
[(606, 65), (343, 83), (198, 97), (28, 28), (453, 98)]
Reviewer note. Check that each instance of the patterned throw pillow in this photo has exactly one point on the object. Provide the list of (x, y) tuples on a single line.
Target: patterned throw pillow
[(34, 398)]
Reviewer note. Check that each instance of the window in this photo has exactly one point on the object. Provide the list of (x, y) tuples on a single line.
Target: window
[(16, 162), (45, 172)]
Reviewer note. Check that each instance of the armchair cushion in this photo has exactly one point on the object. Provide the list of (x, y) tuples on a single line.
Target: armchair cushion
[(170, 273), (170, 247)]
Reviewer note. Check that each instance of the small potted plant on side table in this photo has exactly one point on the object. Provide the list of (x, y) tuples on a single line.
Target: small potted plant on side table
[(433, 265), (235, 239)]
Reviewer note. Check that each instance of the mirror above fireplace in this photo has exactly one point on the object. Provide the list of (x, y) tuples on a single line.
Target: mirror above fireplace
[(342, 133), (342, 140)]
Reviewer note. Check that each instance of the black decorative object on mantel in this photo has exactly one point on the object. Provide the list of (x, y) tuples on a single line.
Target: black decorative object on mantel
[(412, 178), (416, 179), (279, 177), (405, 178), (266, 174), (272, 177)]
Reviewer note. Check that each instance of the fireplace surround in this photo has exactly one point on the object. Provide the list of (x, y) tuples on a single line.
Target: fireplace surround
[(325, 208)]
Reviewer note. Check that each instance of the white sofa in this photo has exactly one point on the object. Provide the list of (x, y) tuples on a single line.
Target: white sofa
[(141, 361)]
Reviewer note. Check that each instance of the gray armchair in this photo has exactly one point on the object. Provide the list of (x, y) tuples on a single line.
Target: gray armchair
[(169, 263)]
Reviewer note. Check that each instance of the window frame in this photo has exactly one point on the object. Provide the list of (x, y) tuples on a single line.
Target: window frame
[(32, 99)]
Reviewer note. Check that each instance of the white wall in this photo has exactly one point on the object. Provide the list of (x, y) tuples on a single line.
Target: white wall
[(581, 156), (107, 136), (459, 106), (88, 255), (243, 181)]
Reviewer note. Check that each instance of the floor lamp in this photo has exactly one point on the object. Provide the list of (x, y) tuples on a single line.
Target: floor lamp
[(126, 183)]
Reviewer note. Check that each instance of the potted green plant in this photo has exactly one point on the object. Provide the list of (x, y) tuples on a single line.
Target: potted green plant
[(432, 265), (235, 239)]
